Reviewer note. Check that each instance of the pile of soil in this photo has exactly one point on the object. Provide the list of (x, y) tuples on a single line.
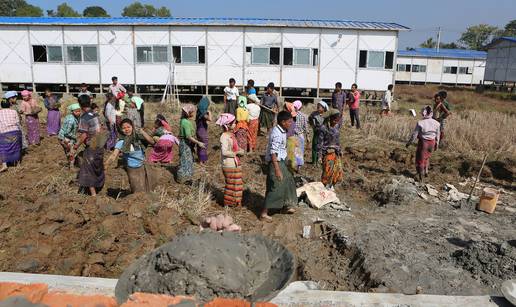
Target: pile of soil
[(211, 264), (488, 261)]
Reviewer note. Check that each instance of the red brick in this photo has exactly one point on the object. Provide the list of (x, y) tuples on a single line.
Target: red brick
[(32, 292), (155, 300), (56, 299), (224, 302)]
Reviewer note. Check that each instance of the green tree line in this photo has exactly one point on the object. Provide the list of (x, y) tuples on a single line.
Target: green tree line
[(475, 37), (135, 9)]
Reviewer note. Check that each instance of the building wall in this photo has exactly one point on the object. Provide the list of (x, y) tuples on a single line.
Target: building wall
[(435, 71), (225, 56), (501, 62)]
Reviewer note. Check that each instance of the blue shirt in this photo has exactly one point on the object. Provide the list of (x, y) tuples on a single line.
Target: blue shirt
[(277, 144), (251, 91), (133, 159)]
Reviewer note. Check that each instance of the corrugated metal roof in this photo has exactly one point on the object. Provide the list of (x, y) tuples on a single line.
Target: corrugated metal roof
[(504, 38), (180, 21), (444, 53)]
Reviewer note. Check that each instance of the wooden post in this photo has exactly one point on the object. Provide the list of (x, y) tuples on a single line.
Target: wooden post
[(31, 59), (319, 64), (101, 90), (478, 177), (65, 59)]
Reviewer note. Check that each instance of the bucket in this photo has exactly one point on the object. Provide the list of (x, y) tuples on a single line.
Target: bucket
[(488, 200)]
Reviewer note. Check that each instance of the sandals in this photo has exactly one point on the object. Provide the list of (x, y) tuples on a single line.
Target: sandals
[(266, 218)]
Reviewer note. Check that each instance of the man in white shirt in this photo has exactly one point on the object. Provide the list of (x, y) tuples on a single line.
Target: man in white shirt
[(230, 97), (116, 87), (84, 91), (387, 101)]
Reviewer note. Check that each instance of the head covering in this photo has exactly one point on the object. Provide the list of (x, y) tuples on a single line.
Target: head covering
[(253, 98), (25, 93), (188, 108), (242, 102), (120, 95), (298, 105), (165, 125), (225, 119), (290, 107), (10, 94), (331, 113), (73, 107), (323, 104), (425, 113), (202, 107)]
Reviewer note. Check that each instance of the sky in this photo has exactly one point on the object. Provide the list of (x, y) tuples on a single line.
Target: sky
[(422, 16)]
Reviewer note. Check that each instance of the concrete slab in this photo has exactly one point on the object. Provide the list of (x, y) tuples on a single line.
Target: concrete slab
[(300, 294), (69, 284)]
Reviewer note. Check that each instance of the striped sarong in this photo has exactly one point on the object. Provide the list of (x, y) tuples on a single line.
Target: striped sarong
[(234, 188)]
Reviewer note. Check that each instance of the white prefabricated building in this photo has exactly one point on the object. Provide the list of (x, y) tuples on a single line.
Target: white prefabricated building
[(440, 66), (501, 61), (197, 55)]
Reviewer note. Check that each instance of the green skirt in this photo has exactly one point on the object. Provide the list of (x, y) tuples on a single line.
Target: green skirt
[(266, 119), (280, 194)]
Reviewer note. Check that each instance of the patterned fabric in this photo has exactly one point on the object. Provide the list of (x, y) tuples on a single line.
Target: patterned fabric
[(10, 146), (134, 116), (33, 136), (242, 137), (112, 137), (423, 154), (89, 124), (69, 128), (116, 89), (254, 126), (338, 100), (328, 139), (186, 167), (53, 122), (266, 119), (234, 186), (332, 169), (162, 151), (202, 136), (301, 124), (91, 172), (9, 120), (277, 144), (280, 193)]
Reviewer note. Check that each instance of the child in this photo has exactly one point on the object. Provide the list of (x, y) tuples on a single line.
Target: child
[(68, 133), (53, 115), (242, 126), (251, 92), (354, 105), (133, 154), (329, 149), (280, 185), (230, 97), (387, 101), (254, 121), (442, 110), (316, 120), (231, 166), (164, 141)]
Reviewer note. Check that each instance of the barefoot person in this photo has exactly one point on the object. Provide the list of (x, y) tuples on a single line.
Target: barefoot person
[(202, 118), (10, 132), (427, 132), (338, 98), (231, 165), (387, 101), (30, 108), (53, 115), (270, 106), (187, 144), (442, 110), (132, 147), (281, 188), (354, 105), (67, 135), (329, 149), (301, 131), (316, 120), (230, 97), (91, 172)]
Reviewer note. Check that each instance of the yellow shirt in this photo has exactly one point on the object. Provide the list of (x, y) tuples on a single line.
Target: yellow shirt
[(242, 115)]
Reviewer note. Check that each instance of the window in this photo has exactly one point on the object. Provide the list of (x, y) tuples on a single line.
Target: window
[(403, 67), (260, 56), (45, 54), (89, 54), (300, 56), (74, 54), (159, 54), (389, 60), (375, 59), (450, 70), (362, 62), (465, 70), (418, 68), (189, 54), (274, 56), (144, 54)]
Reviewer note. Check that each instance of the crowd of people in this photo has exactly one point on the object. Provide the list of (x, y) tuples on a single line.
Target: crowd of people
[(89, 133)]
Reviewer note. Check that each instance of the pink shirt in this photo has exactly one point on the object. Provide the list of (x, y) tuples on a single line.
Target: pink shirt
[(27, 106), (355, 104), (9, 120)]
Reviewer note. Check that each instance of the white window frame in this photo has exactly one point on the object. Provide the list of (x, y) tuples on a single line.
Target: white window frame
[(67, 57), (196, 53), (382, 67), (82, 61), (467, 68), (268, 56), (294, 57), (62, 54), (450, 73), (394, 64), (152, 60), (419, 68), (97, 51)]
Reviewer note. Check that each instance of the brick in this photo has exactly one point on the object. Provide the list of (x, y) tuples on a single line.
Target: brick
[(34, 293), (56, 299), (157, 300), (224, 302)]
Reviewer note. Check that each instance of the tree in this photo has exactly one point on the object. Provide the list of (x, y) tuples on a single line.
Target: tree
[(429, 43), (95, 11), (510, 29), (64, 10), (477, 37), (452, 45), (30, 11), (136, 9)]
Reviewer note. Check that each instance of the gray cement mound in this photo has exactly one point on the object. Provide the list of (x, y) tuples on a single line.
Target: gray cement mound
[(209, 265)]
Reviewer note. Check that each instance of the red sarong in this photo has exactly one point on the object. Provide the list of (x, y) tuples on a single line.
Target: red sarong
[(423, 154)]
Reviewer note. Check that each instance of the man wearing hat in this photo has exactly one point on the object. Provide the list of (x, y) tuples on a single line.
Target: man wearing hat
[(68, 133)]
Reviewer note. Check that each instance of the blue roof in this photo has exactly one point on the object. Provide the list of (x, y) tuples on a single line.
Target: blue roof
[(507, 38), (181, 21), (504, 38), (443, 53)]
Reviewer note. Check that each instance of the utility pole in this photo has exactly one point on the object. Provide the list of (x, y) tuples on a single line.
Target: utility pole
[(438, 38)]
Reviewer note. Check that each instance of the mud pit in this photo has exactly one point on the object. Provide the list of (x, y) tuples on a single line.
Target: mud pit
[(211, 264)]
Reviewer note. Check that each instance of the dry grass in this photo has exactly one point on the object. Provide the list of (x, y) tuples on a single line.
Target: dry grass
[(58, 182)]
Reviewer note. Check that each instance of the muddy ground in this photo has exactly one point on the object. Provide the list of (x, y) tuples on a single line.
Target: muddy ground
[(387, 243)]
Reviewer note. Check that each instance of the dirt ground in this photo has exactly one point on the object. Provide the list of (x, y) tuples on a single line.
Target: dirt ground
[(393, 240)]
